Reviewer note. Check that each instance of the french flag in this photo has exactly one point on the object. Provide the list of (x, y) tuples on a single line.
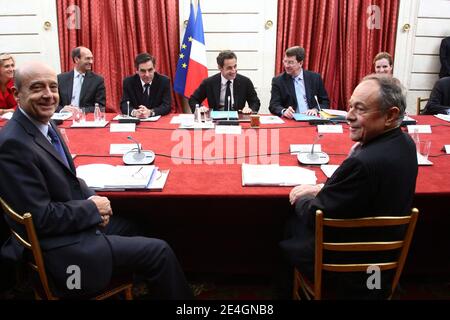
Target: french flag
[(197, 70)]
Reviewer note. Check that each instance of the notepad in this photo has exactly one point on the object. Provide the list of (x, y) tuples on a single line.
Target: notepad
[(105, 176), (276, 175)]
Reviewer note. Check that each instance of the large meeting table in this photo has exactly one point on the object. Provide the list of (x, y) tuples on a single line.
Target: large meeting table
[(215, 225)]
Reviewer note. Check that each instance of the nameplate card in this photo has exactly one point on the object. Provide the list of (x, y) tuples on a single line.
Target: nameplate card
[(325, 128), (121, 148), (122, 127), (329, 169), (297, 148), (423, 128), (228, 129), (61, 115), (447, 148)]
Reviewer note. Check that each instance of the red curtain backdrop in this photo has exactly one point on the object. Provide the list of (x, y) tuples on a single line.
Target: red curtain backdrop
[(337, 40), (116, 31)]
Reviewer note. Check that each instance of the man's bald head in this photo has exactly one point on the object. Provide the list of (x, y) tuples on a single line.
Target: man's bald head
[(36, 90)]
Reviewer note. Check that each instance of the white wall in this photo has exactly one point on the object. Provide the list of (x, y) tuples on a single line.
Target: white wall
[(417, 54), (240, 26), (28, 30)]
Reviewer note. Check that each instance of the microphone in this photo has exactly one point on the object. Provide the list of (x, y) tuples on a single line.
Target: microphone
[(128, 108), (127, 118), (140, 156), (318, 104), (313, 157)]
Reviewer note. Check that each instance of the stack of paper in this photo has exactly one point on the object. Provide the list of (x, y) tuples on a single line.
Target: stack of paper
[(105, 176), (275, 175), (149, 119), (333, 114), (445, 117)]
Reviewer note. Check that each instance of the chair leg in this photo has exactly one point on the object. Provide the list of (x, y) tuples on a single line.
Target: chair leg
[(128, 294)]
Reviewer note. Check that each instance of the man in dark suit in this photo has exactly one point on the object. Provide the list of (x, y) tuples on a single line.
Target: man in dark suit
[(295, 89), (377, 179), (75, 226), (147, 92), (439, 101), (226, 86), (81, 87), (444, 56)]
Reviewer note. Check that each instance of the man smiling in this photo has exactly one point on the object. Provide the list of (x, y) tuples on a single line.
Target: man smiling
[(378, 178)]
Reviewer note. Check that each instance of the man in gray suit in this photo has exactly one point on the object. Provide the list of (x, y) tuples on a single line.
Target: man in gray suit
[(81, 87)]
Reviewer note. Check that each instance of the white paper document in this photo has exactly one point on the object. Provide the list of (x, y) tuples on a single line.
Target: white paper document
[(270, 120), (445, 117), (61, 115), (329, 169), (90, 124), (122, 127), (423, 128), (105, 176), (158, 180), (297, 148), (196, 125), (276, 175), (183, 117), (122, 148), (6, 116), (447, 148), (335, 112), (326, 128), (149, 119), (228, 129), (423, 161)]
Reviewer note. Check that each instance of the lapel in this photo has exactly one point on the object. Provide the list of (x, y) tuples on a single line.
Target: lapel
[(154, 89), (42, 141), (236, 90), (217, 84), (84, 87), (307, 81), (289, 83), (69, 88)]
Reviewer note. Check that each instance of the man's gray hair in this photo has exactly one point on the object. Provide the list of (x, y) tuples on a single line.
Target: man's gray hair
[(391, 93)]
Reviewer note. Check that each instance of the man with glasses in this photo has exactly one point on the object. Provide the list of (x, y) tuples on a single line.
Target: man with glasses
[(378, 178), (147, 93), (295, 89)]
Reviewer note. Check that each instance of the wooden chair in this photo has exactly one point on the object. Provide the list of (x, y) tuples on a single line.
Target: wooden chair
[(314, 290), (42, 289), (419, 101)]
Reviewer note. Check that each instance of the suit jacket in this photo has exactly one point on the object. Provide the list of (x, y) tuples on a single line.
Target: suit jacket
[(35, 179), (283, 92), (160, 98), (243, 91), (439, 101), (92, 91), (444, 56), (378, 180)]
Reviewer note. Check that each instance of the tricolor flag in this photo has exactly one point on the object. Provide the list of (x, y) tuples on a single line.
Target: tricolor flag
[(197, 70), (185, 52)]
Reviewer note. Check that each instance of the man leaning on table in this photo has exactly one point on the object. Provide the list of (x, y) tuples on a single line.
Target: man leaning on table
[(74, 225), (147, 92), (293, 91)]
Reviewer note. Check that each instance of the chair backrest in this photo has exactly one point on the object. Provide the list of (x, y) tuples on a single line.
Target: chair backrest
[(419, 101), (375, 222), (31, 244)]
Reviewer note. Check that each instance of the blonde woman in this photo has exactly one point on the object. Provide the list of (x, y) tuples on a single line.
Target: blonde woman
[(7, 101)]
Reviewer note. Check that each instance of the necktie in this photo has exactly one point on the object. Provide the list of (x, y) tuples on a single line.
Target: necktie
[(77, 83), (57, 144), (300, 94), (228, 105), (147, 94)]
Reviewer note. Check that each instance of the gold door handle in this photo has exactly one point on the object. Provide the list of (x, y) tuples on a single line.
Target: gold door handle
[(185, 23), (406, 27), (269, 24), (47, 25)]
